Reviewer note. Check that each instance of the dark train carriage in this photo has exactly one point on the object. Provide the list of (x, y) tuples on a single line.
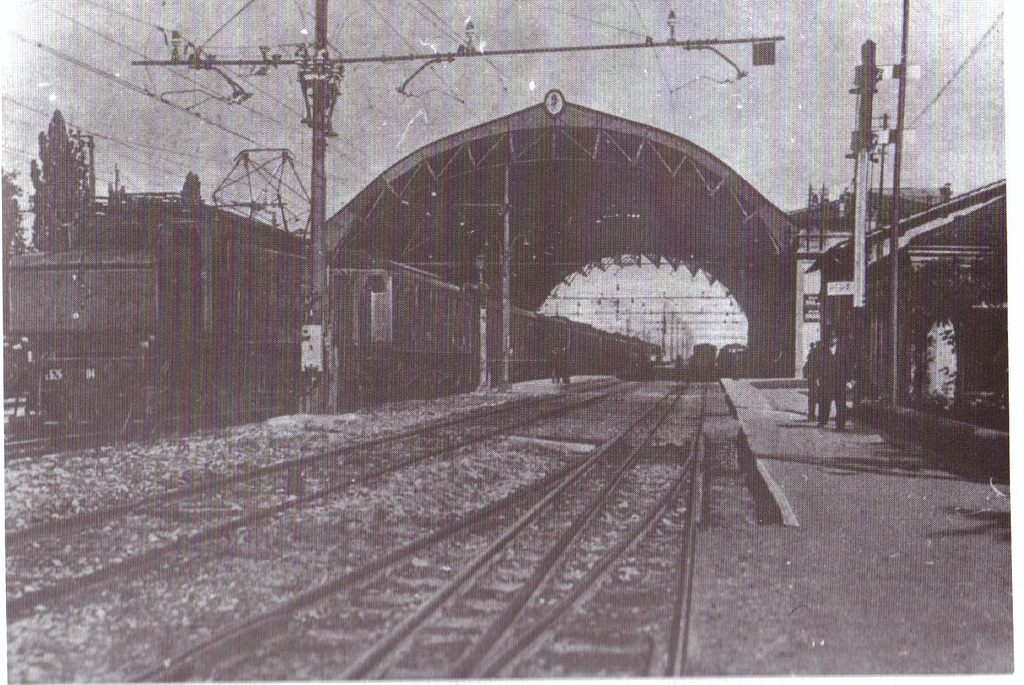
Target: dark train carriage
[(401, 332), (535, 342), (254, 294), (636, 360), (533, 338), (172, 313), (404, 333), (702, 362), (732, 361)]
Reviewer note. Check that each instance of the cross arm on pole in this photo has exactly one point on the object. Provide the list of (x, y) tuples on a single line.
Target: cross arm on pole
[(268, 60)]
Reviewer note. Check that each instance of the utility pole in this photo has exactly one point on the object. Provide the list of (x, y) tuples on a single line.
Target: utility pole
[(894, 229), (664, 326), (823, 220), (485, 374), (318, 79), (863, 141), (809, 219), (506, 275), (320, 76)]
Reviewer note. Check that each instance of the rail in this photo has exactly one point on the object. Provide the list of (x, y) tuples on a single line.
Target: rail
[(254, 631), (56, 533)]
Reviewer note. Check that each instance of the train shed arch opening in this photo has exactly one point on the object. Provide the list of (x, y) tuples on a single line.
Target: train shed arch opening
[(674, 308)]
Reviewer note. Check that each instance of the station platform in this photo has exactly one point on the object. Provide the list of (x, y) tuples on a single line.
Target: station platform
[(883, 563)]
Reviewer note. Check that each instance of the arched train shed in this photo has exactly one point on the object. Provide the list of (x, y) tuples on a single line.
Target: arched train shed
[(581, 185)]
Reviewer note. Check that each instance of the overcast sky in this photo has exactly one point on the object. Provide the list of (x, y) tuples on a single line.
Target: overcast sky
[(782, 127)]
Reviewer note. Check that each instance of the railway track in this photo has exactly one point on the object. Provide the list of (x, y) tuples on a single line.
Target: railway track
[(87, 519), (149, 530), (511, 580), (41, 445), (589, 626), (37, 447)]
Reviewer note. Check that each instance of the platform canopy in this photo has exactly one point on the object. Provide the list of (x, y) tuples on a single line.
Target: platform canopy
[(582, 185)]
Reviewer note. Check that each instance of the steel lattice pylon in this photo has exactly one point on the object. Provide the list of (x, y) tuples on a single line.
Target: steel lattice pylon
[(264, 185)]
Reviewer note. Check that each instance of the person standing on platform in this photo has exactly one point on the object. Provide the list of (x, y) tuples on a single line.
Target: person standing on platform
[(812, 372), (556, 370), (566, 365), (835, 374)]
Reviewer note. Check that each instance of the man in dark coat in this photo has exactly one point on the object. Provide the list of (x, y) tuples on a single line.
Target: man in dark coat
[(835, 365), (556, 367), (812, 372), (566, 364)]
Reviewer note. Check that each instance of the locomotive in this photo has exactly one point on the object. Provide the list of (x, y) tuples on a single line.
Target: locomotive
[(169, 312)]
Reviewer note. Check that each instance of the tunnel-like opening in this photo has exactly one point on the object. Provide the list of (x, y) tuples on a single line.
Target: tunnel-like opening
[(669, 306)]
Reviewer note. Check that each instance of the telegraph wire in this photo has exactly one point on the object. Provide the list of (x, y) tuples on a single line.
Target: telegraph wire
[(106, 8), (959, 70), (128, 85), (19, 151), (338, 27), (225, 24), (596, 22), (302, 12)]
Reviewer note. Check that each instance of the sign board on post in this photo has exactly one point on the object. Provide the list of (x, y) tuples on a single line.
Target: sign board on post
[(312, 348), (763, 53), (812, 308), (837, 288)]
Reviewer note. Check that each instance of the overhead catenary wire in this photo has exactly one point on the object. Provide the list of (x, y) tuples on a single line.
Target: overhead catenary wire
[(387, 22), (439, 23), (596, 22), (676, 112), (242, 78), (202, 87), (29, 156), (114, 139), (338, 28), (141, 147), (146, 160), (113, 10)]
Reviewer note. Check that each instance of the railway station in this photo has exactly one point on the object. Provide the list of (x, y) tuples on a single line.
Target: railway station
[(536, 379)]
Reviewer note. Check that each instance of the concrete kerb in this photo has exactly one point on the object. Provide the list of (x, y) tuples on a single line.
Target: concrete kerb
[(750, 407)]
